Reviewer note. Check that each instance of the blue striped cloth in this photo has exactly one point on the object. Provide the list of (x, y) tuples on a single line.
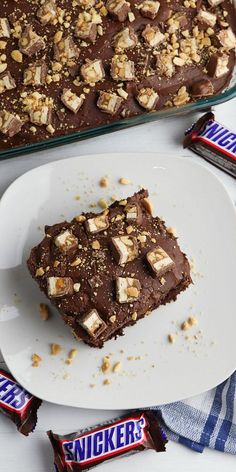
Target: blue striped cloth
[(207, 420)]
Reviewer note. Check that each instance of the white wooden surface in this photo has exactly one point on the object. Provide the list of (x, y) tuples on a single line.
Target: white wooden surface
[(33, 454)]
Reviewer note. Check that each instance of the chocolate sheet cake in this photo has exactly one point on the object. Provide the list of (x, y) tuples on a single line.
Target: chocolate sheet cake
[(105, 271), (70, 65)]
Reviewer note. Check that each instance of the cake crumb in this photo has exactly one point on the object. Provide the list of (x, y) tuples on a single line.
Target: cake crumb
[(55, 349), (104, 182), (36, 359), (43, 311), (171, 338), (106, 382), (116, 367), (106, 365), (124, 181)]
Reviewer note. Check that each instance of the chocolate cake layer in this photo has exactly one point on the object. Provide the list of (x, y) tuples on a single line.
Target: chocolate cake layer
[(70, 65), (105, 271)]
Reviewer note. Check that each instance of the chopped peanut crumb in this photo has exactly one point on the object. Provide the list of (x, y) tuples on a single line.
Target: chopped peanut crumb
[(129, 229), (116, 367), (36, 359), (134, 316), (171, 338), (105, 365), (77, 197), (171, 230), (106, 382), (184, 326), (112, 318), (55, 349), (104, 182), (72, 353), (39, 272), (44, 311), (102, 203), (96, 244), (124, 181)]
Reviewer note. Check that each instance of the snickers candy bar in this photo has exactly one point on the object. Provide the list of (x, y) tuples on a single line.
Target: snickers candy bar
[(214, 142), (87, 448), (18, 404)]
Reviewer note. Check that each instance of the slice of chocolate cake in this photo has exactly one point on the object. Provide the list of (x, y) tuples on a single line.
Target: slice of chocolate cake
[(105, 271)]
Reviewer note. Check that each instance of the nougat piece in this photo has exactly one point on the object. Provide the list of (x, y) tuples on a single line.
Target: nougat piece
[(7, 82), (159, 261), (125, 249), (122, 68), (72, 101), (47, 12), (119, 9), (93, 323), (30, 43), (66, 241), (86, 4), (149, 8), (165, 65), (92, 71), (60, 286), (35, 74), (147, 98), (109, 102), (152, 36), (10, 124)]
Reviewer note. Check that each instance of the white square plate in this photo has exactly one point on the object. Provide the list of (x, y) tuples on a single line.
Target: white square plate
[(191, 199)]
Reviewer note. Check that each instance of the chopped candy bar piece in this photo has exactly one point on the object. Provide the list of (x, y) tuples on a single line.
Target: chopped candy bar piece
[(47, 12), (147, 98), (5, 31), (10, 124), (165, 65), (92, 71), (133, 213), (60, 286), (71, 100), (39, 108), (66, 50), (6, 82), (93, 323), (125, 249), (206, 18), (119, 9), (159, 261), (30, 42), (122, 68), (149, 8), (86, 25), (36, 74), (152, 36), (202, 88), (227, 38), (217, 65), (125, 39), (97, 224), (109, 102), (66, 241), (127, 289)]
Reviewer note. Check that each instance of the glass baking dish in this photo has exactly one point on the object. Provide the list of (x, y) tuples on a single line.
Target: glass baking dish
[(202, 104)]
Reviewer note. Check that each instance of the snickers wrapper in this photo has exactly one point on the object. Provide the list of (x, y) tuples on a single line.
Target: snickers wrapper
[(134, 432), (18, 404), (214, 142)]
